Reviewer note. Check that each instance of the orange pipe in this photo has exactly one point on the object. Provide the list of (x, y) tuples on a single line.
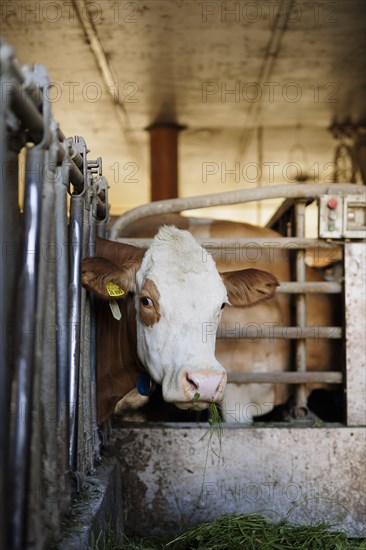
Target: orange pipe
[(164, 161)]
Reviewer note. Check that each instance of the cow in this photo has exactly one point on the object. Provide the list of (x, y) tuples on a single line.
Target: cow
[(152, 309), (244, 401)]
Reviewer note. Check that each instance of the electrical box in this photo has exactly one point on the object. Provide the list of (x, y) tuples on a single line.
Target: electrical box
[(354, 217), (342, 216)]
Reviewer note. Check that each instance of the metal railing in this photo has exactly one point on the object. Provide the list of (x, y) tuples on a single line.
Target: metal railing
[(298, 191), (300, 333), (49, 432)]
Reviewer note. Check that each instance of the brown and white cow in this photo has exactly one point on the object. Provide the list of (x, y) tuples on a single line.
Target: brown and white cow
[(166, 296), (243, 401)]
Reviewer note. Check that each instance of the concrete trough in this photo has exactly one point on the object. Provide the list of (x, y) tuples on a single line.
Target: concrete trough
[(174, 477)]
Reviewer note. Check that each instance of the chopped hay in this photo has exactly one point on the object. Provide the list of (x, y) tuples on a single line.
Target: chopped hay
[(252, 531), (246, 531)]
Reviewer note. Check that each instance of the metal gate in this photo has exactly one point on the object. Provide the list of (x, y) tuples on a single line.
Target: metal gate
[(49, 433), (341, 225)]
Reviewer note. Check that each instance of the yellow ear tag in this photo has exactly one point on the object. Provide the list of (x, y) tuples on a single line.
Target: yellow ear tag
[(114, 290)]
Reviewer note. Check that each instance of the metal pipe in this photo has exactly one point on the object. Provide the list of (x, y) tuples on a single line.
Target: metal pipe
[(26, 319), (297, 191), (62, 342), (102, 193), (74, 154), (93, 341), (9, 66), (4, 370), (43, 449), (85, 439), (253, 331), (209, 243), (300, 274), (76, 244), (26, 111), (9, 237), (318, 287), (76, 177), (330, 377), (76, 240)]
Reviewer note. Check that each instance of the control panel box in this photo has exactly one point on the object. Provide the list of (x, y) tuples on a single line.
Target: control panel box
[(354, 217), (342, 217)]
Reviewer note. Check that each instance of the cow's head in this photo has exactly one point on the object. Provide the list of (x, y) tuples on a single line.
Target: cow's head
[(179, 294)]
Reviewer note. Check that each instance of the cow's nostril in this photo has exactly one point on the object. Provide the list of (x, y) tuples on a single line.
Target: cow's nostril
[(193, 382)]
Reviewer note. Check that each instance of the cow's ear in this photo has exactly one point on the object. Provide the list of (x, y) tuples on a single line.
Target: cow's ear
[(248, 287), (106, 279)]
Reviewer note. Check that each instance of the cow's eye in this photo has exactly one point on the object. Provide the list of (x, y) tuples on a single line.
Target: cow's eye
[(146, 301), (223, 305)]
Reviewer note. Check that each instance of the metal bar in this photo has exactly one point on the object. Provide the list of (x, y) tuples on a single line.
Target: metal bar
[(261, 332), (76, 177), (76, 244), (4, 319), (43, 451), (24, 108), (85, 459), (300, 271), (93, 340), (9, 238), (62, 342), (26, 318), (289, 243), (102, 192), (297, 191), (321, 287), (9, 66), (330, 377)]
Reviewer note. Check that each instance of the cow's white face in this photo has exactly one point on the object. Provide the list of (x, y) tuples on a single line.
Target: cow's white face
[(179, 296)]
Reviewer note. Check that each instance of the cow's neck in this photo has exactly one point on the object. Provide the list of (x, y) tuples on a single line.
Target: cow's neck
[(120, 366)]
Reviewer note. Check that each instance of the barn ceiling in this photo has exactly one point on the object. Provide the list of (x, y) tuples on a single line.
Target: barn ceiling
[(256, 84)]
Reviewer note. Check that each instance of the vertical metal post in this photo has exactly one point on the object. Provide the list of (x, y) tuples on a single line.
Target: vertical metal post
[(9, 240), (4, 371), (76, 243), (300, 272), (101, 231), (43, 450), (92, 331), (85, 446), (62, 342), (26, 319)]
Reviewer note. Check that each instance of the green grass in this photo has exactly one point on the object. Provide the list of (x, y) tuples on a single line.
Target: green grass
[(215, 430), (253, 532), (235, 531)]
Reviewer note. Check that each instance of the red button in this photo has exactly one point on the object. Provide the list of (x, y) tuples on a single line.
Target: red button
[(332, 203)]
